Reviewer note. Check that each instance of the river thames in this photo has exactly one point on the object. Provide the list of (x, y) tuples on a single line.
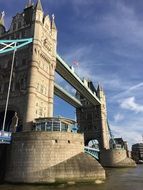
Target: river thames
[(117, 179)]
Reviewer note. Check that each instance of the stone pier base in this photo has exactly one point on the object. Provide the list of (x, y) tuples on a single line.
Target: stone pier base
[(50, 157), (116, 158), (3, 156)]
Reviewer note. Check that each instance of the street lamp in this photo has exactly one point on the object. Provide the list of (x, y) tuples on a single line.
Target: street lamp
[(9, 87), (7, 46)]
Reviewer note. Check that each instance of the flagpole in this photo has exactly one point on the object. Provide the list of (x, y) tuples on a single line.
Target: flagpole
[(9, 87), (76, 64)]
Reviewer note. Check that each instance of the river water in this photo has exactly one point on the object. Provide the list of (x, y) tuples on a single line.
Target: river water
[(117, 179)]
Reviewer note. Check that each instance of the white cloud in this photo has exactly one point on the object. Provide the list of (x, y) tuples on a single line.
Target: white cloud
[(123, 25), (70, 89), (58, 79), (132, 136), (135, 89), (130, 104), (118, 117)]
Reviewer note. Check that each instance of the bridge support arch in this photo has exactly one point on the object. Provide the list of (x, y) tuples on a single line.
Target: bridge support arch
[(93, 121)]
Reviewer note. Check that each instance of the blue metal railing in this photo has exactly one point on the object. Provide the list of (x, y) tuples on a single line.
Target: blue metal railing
[(92, 151), (5, 137)]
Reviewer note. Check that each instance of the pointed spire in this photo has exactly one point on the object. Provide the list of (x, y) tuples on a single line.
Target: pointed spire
[(53, 22), (29, 4), (39, 5), (99, 87), (2, 14)]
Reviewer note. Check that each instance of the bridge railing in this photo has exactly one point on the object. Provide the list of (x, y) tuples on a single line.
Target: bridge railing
[(94, 152), (5, 137), (76, 82)]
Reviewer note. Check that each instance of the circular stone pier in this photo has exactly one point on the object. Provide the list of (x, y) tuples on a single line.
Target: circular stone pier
[(50, 157), (116, 158)]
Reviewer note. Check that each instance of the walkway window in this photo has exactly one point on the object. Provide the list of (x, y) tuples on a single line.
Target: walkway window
[(19, 24), (55, 124), (14, 26), (64, 126)]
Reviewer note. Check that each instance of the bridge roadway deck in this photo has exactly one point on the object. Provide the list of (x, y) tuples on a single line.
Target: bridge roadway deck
[(63, 94), (68, 74)]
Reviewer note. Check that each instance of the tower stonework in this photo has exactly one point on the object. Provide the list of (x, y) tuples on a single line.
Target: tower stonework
[(93, 120), (32, 87), (103, 118)]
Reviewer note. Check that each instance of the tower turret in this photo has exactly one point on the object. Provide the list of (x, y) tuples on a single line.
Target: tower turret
[(29, 4), (2, 26), (103, 117), (39, 6), (54, 32), (43, 63), (39, 14), (100, 91), (53, 25)]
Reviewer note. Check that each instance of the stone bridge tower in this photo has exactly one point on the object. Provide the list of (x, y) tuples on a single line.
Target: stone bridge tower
[(93, 119), (32, 87)]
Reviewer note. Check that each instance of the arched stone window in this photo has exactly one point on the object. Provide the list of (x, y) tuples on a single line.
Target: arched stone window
[(14, 26), (19, 24), (23, 83), (1, 84), (13, 86)]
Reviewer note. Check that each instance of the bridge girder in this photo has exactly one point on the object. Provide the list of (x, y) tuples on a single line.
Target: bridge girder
[(68, 74), (63, 94)]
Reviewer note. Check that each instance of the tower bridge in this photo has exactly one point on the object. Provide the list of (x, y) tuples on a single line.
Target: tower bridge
[(48, 156)]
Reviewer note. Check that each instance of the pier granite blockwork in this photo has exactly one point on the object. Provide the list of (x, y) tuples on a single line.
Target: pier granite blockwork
[(49, 157)]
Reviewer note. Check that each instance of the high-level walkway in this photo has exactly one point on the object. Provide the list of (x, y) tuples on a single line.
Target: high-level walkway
[(63, 94), (69, 75)]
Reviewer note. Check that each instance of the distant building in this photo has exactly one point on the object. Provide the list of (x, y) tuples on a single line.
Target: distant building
[(137, 152), (118, 143)]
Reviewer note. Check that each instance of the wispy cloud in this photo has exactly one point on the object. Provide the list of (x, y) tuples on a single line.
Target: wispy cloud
[(132, 136), (118, 117), (109, 50), (130, 104), (129, 90)]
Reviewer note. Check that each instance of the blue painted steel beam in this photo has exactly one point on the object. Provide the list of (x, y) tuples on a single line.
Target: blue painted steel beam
[(72, 78), (11, 45), (62, 93), (92, 152)]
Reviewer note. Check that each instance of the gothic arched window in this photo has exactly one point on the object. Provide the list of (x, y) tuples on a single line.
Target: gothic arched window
[(23, 83), (14, 26)]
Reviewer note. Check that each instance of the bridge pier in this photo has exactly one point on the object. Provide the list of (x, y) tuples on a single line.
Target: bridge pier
[(50, 157), (115, 158), (3, 157)]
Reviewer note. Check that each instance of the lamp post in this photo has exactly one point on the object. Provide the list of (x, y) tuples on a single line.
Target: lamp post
[(7, 46), (9, 87)]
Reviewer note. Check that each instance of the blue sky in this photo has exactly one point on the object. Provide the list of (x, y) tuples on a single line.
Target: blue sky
[(106, 39)]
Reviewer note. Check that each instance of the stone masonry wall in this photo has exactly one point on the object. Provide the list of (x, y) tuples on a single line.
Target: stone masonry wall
[(115, 158), (34, 152), (3, 150)]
